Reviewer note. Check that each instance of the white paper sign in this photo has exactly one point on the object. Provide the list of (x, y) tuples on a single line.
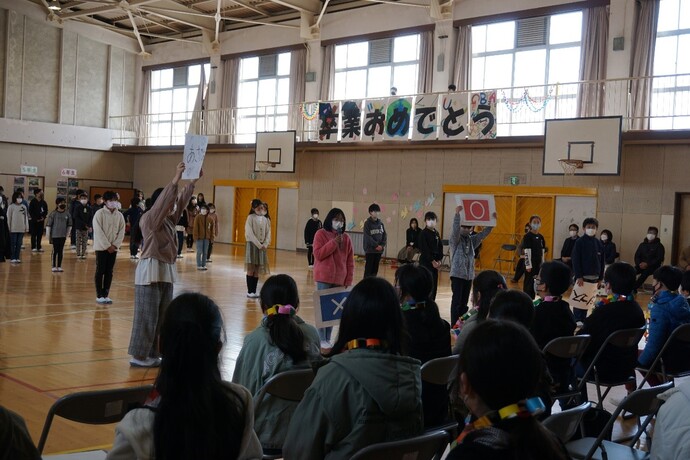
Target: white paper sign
[(193, 156), (477, 209), (67, 172), (583, 297), (28, 170)]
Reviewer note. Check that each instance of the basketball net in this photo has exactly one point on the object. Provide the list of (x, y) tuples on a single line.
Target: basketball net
[(263, 167), (570, 166)]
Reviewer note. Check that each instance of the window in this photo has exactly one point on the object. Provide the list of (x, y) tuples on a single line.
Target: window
[(173, 95), (263, 96), (671, 85), (524, 59), (371, 68)]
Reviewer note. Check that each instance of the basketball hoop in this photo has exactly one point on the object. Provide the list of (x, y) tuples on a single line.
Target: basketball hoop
[(570, 166), (263, 167)]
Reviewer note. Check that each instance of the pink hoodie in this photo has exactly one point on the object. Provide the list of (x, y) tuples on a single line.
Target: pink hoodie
[(333, 263)]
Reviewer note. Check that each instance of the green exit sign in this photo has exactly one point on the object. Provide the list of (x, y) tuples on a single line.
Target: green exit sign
[(514, 180)]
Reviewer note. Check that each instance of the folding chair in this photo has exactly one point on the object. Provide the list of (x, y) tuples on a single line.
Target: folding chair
[(288, 385), (640, 403), (681, 337), (442, 371), (445, 261), (425, 447), (564, 424), (95, 407), (506, 254), (568, 348), (622, 339)]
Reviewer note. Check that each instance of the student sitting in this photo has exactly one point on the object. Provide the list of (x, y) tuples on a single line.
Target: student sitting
[(192, 412), (672, 426), (368, 392), (283, 341), (429, 337), (501, 397), (15, 440)]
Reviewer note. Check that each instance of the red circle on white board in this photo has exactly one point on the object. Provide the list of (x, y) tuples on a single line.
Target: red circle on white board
[(482, 207)]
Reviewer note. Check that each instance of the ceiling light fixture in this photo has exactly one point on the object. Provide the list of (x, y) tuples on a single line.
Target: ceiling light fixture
[(54, 5)]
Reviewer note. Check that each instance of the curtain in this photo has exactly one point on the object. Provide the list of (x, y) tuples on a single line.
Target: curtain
[(327, 73), (644, 39), (228, 98), (142, 128), (197, 120), (462, 72), (595, 34), (298, 71), (426, 62)]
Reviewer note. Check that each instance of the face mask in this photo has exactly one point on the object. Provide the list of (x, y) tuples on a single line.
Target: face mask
[(591, 231), (18, 200), (261, 213), (604, 238), (83, 202), (111, 204), (651, 236), (337, 225), (204, 212), (535, 226), (431, 223), (212, 211), (573, 233), (314, 216), (62, 206)]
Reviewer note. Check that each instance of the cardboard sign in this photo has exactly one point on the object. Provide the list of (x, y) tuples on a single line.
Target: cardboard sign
[(583, 297), (193, 156), (328, 306), (66, 172), (477, 210)]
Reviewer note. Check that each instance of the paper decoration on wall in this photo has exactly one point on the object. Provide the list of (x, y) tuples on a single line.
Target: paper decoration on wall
[(374, 120), (361, 225), (395, 196), (398, 115), (403, 213), (482, 123), (394, 212), (424, 125), (454, 117), (351, 225), (430, 200), (383, 208), (364, 191), (351, 121), (417, 205), (193, 155), (388, 220), (328, 121), (420, 215), (407, 193), (477, 209)]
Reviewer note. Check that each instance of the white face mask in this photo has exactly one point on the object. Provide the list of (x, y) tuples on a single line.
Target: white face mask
[(604, 238), (261, 213), (573, 233), (315, 216), (18, 200), (431, 223), (83, 202), (212, 211), (111, 204), (651, 236), (337, 225), (591, 231), (204, 212), (142, 205), (535, 226)]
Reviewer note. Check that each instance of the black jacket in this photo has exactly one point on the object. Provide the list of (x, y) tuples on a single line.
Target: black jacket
[(568, 245), (610, 253), (310, 230), (588, 258), (651, 252), (82, 216), (535, 242), (38, 210), (430, 246), (412, 236)]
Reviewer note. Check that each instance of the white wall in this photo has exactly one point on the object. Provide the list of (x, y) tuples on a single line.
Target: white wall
[(224, 200), (287, 218)]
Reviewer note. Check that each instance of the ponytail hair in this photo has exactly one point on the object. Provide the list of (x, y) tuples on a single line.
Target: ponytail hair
[(415, 281), (487, 284), (281, 291)]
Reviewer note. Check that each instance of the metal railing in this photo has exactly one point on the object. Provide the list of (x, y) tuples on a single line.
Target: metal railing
[(519, 111)]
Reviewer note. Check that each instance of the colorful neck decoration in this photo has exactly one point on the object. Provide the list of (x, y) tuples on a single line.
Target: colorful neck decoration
[(547, 298), (375, 344), (412, 305), (522, 409), (277, 309), (611, 298)]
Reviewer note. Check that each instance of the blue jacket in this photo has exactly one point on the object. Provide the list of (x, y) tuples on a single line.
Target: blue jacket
[(667, 313), (588, 258)]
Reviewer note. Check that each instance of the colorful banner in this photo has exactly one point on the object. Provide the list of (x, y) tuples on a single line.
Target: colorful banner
[(425, 118), (483, 115), (351, 121), (398, 115), (328, 121), (454, 117), (374, 120)]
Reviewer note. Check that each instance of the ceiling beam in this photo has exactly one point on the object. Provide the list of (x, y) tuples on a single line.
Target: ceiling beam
[(303, 6), (177, 16), (124, 5), (136, 32), (259, 23), (250, 7)]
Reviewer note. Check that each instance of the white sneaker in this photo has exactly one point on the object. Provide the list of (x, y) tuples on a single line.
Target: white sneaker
[(148, 362), (199, 268), (34, 250), (310, 266), (179, 256), (60, 269), (133, 257), (73, 247), (107, 300), (54, 269), (100, 300), (41, 250), (209, 260)]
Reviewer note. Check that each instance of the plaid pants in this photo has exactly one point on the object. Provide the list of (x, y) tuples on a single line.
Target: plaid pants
[(150, 303), (82, 240)]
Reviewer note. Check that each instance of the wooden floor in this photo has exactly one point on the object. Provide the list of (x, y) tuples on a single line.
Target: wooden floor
[(55, 339)]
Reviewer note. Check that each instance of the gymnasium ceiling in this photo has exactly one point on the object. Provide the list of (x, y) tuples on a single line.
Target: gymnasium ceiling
[(155, 21)]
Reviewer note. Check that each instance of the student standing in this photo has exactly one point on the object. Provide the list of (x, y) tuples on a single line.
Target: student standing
[(203, 233), (334, 264), (610, 252), (108, 233), (58, 226), (18, 223), (374, 241), (4, 232), (313, 225), (649, 256), (156, 273), (431, 250), (533, 247), (569, 244), (192, 211), (82, 219), (38, 211), (463, 246), (132, 215), (214, 217), (257, 232), (588, 260), (180, 229)]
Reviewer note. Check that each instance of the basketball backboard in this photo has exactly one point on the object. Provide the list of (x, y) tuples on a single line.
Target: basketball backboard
[(275, 152)]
